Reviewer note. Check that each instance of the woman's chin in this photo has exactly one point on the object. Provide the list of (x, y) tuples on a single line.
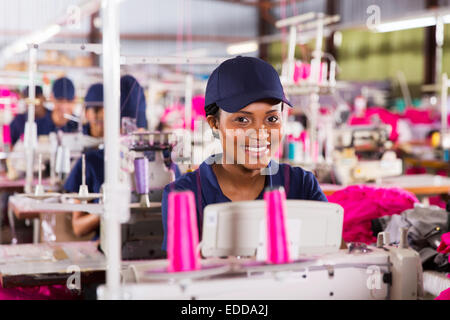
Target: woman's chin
[(257, 166), (257, 163)]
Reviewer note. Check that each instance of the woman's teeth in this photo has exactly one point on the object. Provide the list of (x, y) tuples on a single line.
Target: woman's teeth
[(260, 150), (256, 149)]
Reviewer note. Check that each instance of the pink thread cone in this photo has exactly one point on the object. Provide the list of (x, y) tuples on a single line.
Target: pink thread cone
[(6, 134), (182, 236), (277, 240)]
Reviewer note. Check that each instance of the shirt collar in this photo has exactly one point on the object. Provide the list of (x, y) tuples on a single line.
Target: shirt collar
[(210, 188)]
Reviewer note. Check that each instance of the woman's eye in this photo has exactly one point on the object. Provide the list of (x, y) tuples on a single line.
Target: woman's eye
[(273, 119), (242, 119)]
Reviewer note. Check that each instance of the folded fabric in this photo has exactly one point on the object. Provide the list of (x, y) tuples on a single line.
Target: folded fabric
[(363, 203), (53, 292), (444, 246), (444, 295)]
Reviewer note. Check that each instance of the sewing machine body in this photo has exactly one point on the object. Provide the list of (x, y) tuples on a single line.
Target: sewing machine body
[(235, 267), (349, 169), (142, 235), (370, 274)]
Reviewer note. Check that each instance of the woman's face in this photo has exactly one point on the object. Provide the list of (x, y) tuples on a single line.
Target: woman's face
[(251, 136), (95, 118), (61, 107)]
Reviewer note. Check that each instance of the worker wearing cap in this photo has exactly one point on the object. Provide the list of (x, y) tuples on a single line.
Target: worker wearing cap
[(17, 125), (244, 98), (132, 101), (84, 223), (133, 105), (63, 96)]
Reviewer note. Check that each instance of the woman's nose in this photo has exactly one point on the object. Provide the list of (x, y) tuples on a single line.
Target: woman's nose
[(258, 134)]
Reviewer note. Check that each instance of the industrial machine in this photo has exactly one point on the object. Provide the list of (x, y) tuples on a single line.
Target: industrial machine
[(362, 154), (144, 167), (57, 149), (234, 267), (368, 138), (349, 169)]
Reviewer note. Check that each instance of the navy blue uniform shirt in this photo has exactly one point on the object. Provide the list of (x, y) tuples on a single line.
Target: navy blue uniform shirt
[(44, 125), (298, 184), (95, 172)]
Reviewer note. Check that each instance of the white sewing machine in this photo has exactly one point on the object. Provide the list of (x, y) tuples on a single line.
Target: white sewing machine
[(348, 169), (148, 145), (320, 270), (59, 149), (143, 233)]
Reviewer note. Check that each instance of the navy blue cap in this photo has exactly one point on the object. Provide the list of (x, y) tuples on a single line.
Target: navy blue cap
[(239, 81), (132, 100), (37, 89), (94, 96), (63, 89)]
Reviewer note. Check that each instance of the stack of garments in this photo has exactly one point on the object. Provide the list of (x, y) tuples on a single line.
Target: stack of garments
[(363, 203)]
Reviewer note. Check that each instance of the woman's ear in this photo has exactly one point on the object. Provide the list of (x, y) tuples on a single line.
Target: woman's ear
[(213, 123)]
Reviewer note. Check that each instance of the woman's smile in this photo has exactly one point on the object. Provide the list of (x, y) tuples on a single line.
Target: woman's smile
[(257, 150)]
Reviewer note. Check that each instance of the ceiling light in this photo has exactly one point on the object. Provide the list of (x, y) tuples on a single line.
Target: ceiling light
[(243, 47)]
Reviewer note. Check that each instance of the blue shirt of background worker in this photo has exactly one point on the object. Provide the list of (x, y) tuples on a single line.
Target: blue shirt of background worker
[(63, 94)]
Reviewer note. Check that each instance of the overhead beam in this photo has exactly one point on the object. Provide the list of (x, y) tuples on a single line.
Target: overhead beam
[(143, 37), (263, 3)]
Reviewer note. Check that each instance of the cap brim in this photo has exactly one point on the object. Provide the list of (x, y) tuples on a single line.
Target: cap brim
[(236, 103)]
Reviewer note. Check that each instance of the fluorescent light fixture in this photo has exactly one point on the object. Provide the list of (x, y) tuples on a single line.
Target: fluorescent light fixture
[(406, 24), (243, 47), (446, 18), (36, 38)]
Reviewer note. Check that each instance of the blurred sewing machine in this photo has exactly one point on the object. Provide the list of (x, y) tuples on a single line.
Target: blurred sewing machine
[(234, 244), (143, 161), (349, 169), (365, 139), (362, 154), (57, 149)]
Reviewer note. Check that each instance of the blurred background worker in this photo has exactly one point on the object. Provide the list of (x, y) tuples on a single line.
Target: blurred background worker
[(17, 126), (63, 97)]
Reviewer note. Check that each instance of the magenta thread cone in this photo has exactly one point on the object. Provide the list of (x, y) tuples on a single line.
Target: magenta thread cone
[(182, 235), (277, 240), (6, 134)]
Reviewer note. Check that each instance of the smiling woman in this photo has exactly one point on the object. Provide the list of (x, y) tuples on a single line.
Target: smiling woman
[(243, 104)]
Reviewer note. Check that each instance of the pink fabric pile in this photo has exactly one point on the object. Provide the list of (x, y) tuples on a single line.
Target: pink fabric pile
[(174, 115), (444, 247), (385, 116), (55, 292), (363, 203), (418, 116)]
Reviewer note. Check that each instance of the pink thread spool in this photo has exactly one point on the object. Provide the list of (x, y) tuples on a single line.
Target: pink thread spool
[(182, 235), (277, 240), (6, 135)]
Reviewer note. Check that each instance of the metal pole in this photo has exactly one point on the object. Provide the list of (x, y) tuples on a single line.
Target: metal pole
[(188, 101), (291, 53), (30, 134), (444, 93), (111, 82)]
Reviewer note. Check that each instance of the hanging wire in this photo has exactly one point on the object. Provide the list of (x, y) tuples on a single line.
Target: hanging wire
[(294, 7), (180, 28), (189, 28), (283, 31)]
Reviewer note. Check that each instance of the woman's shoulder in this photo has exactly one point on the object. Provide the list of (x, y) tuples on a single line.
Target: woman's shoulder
[(296, 172)]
